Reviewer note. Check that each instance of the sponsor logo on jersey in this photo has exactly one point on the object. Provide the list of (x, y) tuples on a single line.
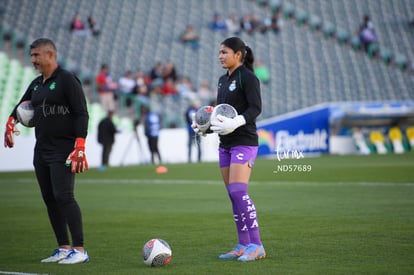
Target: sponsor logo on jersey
[(240, 156)]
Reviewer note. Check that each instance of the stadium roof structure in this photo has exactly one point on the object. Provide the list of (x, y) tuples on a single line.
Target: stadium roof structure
[(358, 114)]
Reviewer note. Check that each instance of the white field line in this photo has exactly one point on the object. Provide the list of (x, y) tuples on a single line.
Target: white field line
[(189, 182), (20, 273)]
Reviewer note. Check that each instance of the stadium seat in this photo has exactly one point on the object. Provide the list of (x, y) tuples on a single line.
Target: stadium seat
[(328, 29), (401, 61), (360, 142), (386, 55), (373, 50), (355, 43), (315, 22), (342, 35), (378, 140), (409, 132), (301, 17), (396, 138), (288, 11)]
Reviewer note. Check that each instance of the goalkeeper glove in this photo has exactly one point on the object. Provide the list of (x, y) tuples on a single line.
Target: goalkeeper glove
[(10, 130), (225, 125), (77, 159)]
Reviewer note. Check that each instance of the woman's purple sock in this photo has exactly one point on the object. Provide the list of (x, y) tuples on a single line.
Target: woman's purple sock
[(244, 213)]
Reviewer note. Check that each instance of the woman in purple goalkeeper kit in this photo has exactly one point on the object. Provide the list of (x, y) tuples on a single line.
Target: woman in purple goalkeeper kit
[(240, 88)]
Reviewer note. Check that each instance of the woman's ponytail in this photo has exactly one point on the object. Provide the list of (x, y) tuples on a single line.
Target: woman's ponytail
[(249, 59)]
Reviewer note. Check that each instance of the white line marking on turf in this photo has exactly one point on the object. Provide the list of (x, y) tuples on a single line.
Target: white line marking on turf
[(276, 183), (147, 181), (184, 182), (20, 273)]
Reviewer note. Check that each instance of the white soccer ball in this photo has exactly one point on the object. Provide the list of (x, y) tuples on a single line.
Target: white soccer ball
[(202, 118), (225, 110), (156, 252), (25, 113)]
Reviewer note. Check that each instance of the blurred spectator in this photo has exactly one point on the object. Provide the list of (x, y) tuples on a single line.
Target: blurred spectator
[(205, 94), (169, 88), (106, 88), (106, 137), (141, 78), (77, 23), (193, 138), (191, 37), (266, 24), (142, 94), (276, 21), (126, 84), (262, 72), (185, 89), (366, 33), (218, 24), (169, 71), (156, 90), (255, 21), (246, 24), (152, 127), (77, 26), (92, 26), (141, 89), (156, 74), (233, 25)]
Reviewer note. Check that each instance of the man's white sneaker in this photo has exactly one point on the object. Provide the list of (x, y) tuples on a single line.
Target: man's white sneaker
[(57, 255), (75, 257)]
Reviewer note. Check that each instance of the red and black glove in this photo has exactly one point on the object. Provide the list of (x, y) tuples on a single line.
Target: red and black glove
[(10, 131), (77, 159)]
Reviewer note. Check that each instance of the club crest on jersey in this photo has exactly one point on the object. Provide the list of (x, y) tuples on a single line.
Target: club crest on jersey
[(232, 86), (52, 86)]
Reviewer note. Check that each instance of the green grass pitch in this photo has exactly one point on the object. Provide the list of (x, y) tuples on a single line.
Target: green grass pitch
[(347, 215)]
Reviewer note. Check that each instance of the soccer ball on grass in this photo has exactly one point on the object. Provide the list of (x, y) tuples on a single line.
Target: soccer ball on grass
[(156, 252)]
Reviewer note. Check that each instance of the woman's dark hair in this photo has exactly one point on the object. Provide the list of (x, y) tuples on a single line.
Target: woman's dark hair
[(236, 44)]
